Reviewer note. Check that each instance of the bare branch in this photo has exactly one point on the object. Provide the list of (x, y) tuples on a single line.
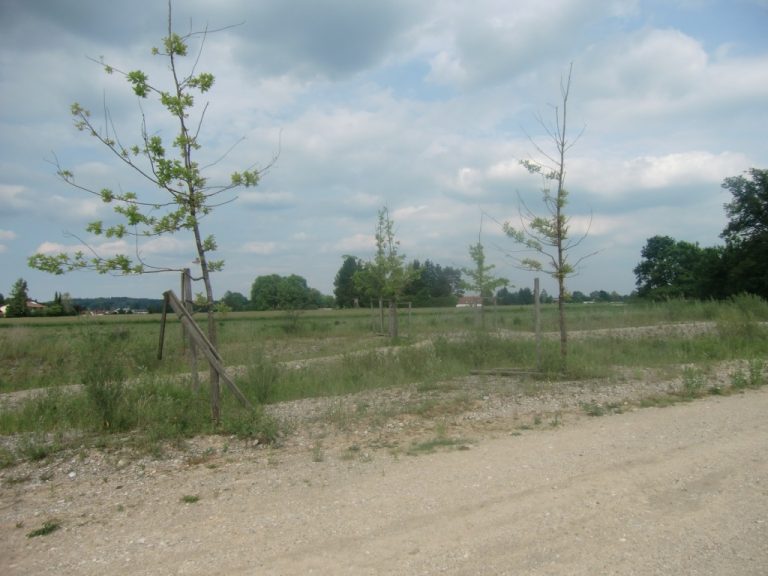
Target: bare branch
[(223, 156)]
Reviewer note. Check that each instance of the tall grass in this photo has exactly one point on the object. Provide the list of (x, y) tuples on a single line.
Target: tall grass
[(125, 389), (149, 411), (40, 352)]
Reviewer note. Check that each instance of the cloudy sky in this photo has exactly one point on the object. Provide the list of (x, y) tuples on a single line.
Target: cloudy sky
[(425, 106)]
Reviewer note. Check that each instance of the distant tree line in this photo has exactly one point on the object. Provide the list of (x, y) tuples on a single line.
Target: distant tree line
[(428, 284), (672, 268), (118, 304)]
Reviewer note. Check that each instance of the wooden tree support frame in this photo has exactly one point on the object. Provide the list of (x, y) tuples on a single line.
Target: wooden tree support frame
[(199, 338)]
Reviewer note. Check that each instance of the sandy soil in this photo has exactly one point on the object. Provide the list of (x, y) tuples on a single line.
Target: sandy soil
[(675, 490)]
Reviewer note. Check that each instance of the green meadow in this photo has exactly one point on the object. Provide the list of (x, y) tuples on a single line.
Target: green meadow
[(99, 376)]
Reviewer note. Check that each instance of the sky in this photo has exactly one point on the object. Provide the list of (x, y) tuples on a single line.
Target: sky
[(424, 107)]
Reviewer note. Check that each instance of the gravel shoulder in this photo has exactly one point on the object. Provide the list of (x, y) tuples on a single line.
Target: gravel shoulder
[(527, 485)]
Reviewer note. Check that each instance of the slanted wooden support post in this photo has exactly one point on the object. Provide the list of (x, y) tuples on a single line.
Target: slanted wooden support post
[(201, 340)]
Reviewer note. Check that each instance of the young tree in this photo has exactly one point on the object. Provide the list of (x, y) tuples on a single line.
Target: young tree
[(347, 295), (481, 279), (17, 301), (386, 276), (548, 236), (183, 195)]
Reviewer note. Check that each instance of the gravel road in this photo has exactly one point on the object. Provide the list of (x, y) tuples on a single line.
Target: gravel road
[(675, 490)]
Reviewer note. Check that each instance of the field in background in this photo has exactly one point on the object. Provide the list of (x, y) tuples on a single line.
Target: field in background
[(44, 352), (121, 386)]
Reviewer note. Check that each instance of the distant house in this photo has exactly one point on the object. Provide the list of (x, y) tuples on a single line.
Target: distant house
[(32, 305), (470, 302)]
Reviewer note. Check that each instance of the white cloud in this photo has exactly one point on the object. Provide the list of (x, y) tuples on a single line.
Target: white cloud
[(619, 178), (166, 245), (6, 235), (364, 200), (493, 40), (104, 249), (14, 197), (468, 182), (409, 212), (446, 68), (660, 79), (76, 208), (49, 248), (261, 248), (355, 243), (267, 199)]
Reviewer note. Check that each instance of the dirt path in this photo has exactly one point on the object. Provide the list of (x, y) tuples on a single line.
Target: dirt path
[(676, 490)]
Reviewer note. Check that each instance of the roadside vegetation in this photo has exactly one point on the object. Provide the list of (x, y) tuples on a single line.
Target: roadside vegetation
[(98, 381)]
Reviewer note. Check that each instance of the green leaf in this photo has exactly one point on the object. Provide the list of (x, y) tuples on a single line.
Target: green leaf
[(247, 178), (209, 244), (78, 110), (174, 45), (203, 82), (117, 231), (531, 264), (138, 80)]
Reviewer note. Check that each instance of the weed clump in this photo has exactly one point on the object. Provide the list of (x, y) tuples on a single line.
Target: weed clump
[(47, 528), (753, 377)]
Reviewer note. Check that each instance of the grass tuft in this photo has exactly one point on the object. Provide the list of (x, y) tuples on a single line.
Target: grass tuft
[(48, 527)]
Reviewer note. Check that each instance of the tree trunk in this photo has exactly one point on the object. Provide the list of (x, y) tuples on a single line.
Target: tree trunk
[(537, 321), (215, 388), (563, 331)]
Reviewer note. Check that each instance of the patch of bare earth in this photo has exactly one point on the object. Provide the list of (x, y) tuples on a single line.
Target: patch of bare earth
[(479, 475)]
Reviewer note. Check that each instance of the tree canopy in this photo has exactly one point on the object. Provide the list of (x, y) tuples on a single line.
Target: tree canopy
[(346, 293), (746, 234), (275, 292), (677, 269), (668, 269)]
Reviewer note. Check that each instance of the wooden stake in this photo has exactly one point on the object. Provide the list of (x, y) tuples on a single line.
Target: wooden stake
[(199, 337)]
